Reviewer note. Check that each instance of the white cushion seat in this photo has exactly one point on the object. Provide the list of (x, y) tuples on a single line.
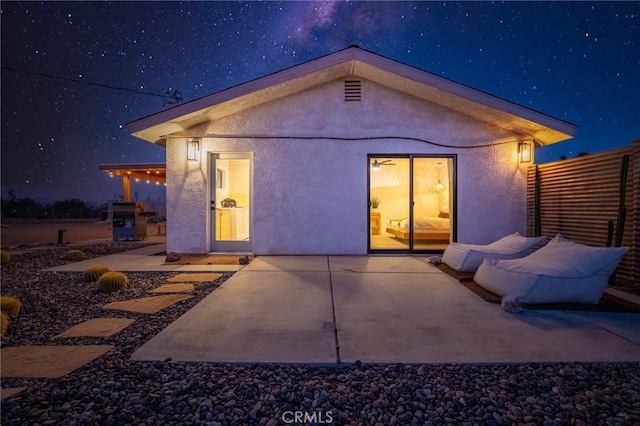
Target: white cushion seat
[(468, 257), (560, 272)]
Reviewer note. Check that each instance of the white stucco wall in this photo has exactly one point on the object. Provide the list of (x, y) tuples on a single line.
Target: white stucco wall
[(310, 196)]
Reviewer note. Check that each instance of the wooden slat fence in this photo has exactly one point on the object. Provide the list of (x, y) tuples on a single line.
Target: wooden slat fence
[(579, 196)]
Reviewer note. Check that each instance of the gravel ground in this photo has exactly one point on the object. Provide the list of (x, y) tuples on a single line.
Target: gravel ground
[(115, 391)]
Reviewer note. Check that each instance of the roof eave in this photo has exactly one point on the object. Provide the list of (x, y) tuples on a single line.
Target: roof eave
[(355, 61), (152, 128)]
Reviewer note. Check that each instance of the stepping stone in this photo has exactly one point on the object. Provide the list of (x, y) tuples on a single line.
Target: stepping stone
[(9, 392), (148, 305), (187, 278), (174, 288), (49, 362), (98, 327)]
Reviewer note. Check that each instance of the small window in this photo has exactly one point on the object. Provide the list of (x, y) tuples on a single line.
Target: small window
[(352, 90)]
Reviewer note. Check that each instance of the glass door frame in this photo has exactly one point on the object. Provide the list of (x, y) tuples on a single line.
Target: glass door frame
[(453, 188), (215, 245)]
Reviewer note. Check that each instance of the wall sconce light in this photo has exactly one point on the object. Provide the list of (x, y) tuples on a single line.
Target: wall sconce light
[(193, 150), (524, 152)]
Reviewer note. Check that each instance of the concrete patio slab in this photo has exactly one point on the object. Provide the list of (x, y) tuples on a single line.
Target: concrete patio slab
[(97, 327), (148, 305), (266, 316), (387, 310), (391, 264), (625, 325), (209, 259), (144, 259), (288, 263), (409, 318), (47, 361)]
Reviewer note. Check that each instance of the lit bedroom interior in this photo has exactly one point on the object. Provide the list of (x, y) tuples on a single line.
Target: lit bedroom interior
[(391, 201)]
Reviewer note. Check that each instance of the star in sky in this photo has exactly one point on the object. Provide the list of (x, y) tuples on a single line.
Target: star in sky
[(74, 73)]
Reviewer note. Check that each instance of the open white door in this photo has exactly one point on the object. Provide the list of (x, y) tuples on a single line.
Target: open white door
[(230, 204)]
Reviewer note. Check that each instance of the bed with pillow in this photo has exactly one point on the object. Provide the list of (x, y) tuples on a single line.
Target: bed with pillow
[(424, 228), (468, 257), (560, 272)]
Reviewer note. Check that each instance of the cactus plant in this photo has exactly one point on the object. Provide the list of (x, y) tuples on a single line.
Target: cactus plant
[(94, 272), (537, 231), (609, 232), (75, 255), (10, 306), (4, 323), (622, 209), (113, 281), (5, 257)]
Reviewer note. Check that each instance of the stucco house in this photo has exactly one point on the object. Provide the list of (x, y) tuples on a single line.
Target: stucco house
[(350, 153)]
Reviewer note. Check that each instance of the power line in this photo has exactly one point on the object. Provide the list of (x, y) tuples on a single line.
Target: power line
[(169, 97)]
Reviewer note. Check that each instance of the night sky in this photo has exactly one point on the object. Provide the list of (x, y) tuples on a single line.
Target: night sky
[(93, 67)]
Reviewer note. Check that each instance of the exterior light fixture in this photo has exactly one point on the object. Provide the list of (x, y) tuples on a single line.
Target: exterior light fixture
[(193, 150), (524, 152)]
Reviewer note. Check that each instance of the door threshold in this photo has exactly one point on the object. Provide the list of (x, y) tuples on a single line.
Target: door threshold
[(230, 253)]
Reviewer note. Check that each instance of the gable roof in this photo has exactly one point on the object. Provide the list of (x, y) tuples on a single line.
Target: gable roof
[(351, 62)]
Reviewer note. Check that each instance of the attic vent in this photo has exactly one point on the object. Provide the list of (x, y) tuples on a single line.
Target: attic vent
[(352, 90)]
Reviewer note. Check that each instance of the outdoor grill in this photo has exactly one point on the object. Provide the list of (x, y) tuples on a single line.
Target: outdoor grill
[(130, 221)]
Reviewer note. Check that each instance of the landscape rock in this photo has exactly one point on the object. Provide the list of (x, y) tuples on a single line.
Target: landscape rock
[(113, 390), (172, 257)]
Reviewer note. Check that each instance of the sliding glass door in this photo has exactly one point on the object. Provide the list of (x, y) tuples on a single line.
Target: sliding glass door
[(390, 202), (411, 202)]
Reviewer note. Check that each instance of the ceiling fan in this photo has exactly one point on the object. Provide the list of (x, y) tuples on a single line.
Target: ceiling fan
[(376, 164)]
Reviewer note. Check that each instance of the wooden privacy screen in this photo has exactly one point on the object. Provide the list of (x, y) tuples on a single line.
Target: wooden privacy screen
[(579, 196)]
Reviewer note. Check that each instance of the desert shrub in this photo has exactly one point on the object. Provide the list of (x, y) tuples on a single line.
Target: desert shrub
[(94, 272), (75, 255), (4, 323), (10, 306), (5, 257), (113, 281)]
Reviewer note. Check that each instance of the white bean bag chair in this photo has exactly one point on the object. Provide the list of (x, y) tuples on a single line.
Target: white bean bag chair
[(560, 272), (468, 257)]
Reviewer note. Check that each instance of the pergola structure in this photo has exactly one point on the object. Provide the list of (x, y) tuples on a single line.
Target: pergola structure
[(138, 172)]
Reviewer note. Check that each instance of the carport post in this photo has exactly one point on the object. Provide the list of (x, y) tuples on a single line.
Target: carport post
[(126, 188)]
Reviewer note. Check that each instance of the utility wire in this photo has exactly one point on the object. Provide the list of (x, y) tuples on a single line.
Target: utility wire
[(168, 96), (368, 138)]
